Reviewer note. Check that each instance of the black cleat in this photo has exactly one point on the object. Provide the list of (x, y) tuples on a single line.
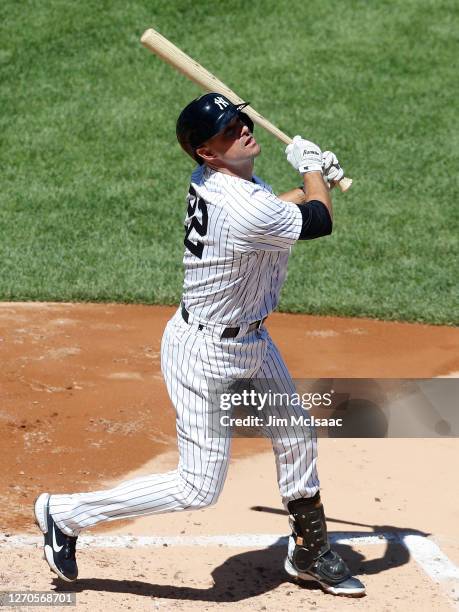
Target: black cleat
[(59, 548), (309, 556), (330, 571)]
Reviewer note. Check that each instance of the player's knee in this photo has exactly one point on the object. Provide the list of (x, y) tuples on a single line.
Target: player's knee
[(201, 495), (197, 499)]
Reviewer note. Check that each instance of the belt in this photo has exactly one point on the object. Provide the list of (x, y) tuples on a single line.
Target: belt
[(228, 332)]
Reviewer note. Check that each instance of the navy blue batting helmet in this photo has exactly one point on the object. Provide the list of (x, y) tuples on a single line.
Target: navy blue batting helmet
[(205, 117)]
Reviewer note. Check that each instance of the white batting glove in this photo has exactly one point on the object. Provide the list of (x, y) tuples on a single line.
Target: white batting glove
[(331, 169), (304, 155)]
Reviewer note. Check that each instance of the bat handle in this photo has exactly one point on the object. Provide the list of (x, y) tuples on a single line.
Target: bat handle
[(345, 183)]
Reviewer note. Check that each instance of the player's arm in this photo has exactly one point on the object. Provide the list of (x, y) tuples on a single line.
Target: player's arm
[(312, 189), (316, 207), (296, 196), (260, 220)]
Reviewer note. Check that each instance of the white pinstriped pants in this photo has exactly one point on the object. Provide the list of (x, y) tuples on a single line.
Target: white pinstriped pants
[(188, 358)]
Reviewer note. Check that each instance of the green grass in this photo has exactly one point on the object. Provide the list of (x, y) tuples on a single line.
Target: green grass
[(93, 182)]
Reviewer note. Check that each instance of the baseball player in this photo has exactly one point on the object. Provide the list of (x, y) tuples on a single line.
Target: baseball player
[(238, 237)]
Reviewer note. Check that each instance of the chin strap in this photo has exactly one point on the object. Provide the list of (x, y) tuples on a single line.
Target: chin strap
[(312, 549)]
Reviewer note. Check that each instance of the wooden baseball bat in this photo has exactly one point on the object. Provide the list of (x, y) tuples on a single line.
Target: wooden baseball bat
[(152, 40)]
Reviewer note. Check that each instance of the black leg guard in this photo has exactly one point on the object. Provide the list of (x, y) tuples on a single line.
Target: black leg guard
[(312, 553)]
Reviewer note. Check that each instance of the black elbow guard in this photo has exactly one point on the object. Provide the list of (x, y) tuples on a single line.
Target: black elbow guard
[(316, 220)]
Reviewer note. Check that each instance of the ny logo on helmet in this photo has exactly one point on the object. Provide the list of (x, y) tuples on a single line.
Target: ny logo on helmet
[(221, 102)]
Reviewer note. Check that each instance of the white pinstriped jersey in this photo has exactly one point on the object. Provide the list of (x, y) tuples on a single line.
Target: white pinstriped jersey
[(237, 244), (238, 240)]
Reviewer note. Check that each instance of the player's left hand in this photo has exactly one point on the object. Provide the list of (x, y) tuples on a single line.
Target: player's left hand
[(331, 168), (304, 155)]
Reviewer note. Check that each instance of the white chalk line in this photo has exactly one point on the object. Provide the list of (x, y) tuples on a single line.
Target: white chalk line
[(231, 541), (435, 564), (428, 555)]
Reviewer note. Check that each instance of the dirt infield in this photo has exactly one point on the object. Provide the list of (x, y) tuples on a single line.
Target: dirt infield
[(83, 404)]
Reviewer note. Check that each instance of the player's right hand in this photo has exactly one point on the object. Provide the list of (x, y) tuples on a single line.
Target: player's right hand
[(304, 155), (331, 168)]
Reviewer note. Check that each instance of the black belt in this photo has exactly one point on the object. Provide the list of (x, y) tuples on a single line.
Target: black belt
[(228, 332)]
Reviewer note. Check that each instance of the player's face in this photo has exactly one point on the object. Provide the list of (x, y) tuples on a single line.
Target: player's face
[(235, 144)]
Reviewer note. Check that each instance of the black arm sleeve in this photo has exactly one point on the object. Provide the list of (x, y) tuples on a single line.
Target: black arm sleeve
[(316, 220)]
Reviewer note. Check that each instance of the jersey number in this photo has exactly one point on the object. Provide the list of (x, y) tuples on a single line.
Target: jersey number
[(200, 226)]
